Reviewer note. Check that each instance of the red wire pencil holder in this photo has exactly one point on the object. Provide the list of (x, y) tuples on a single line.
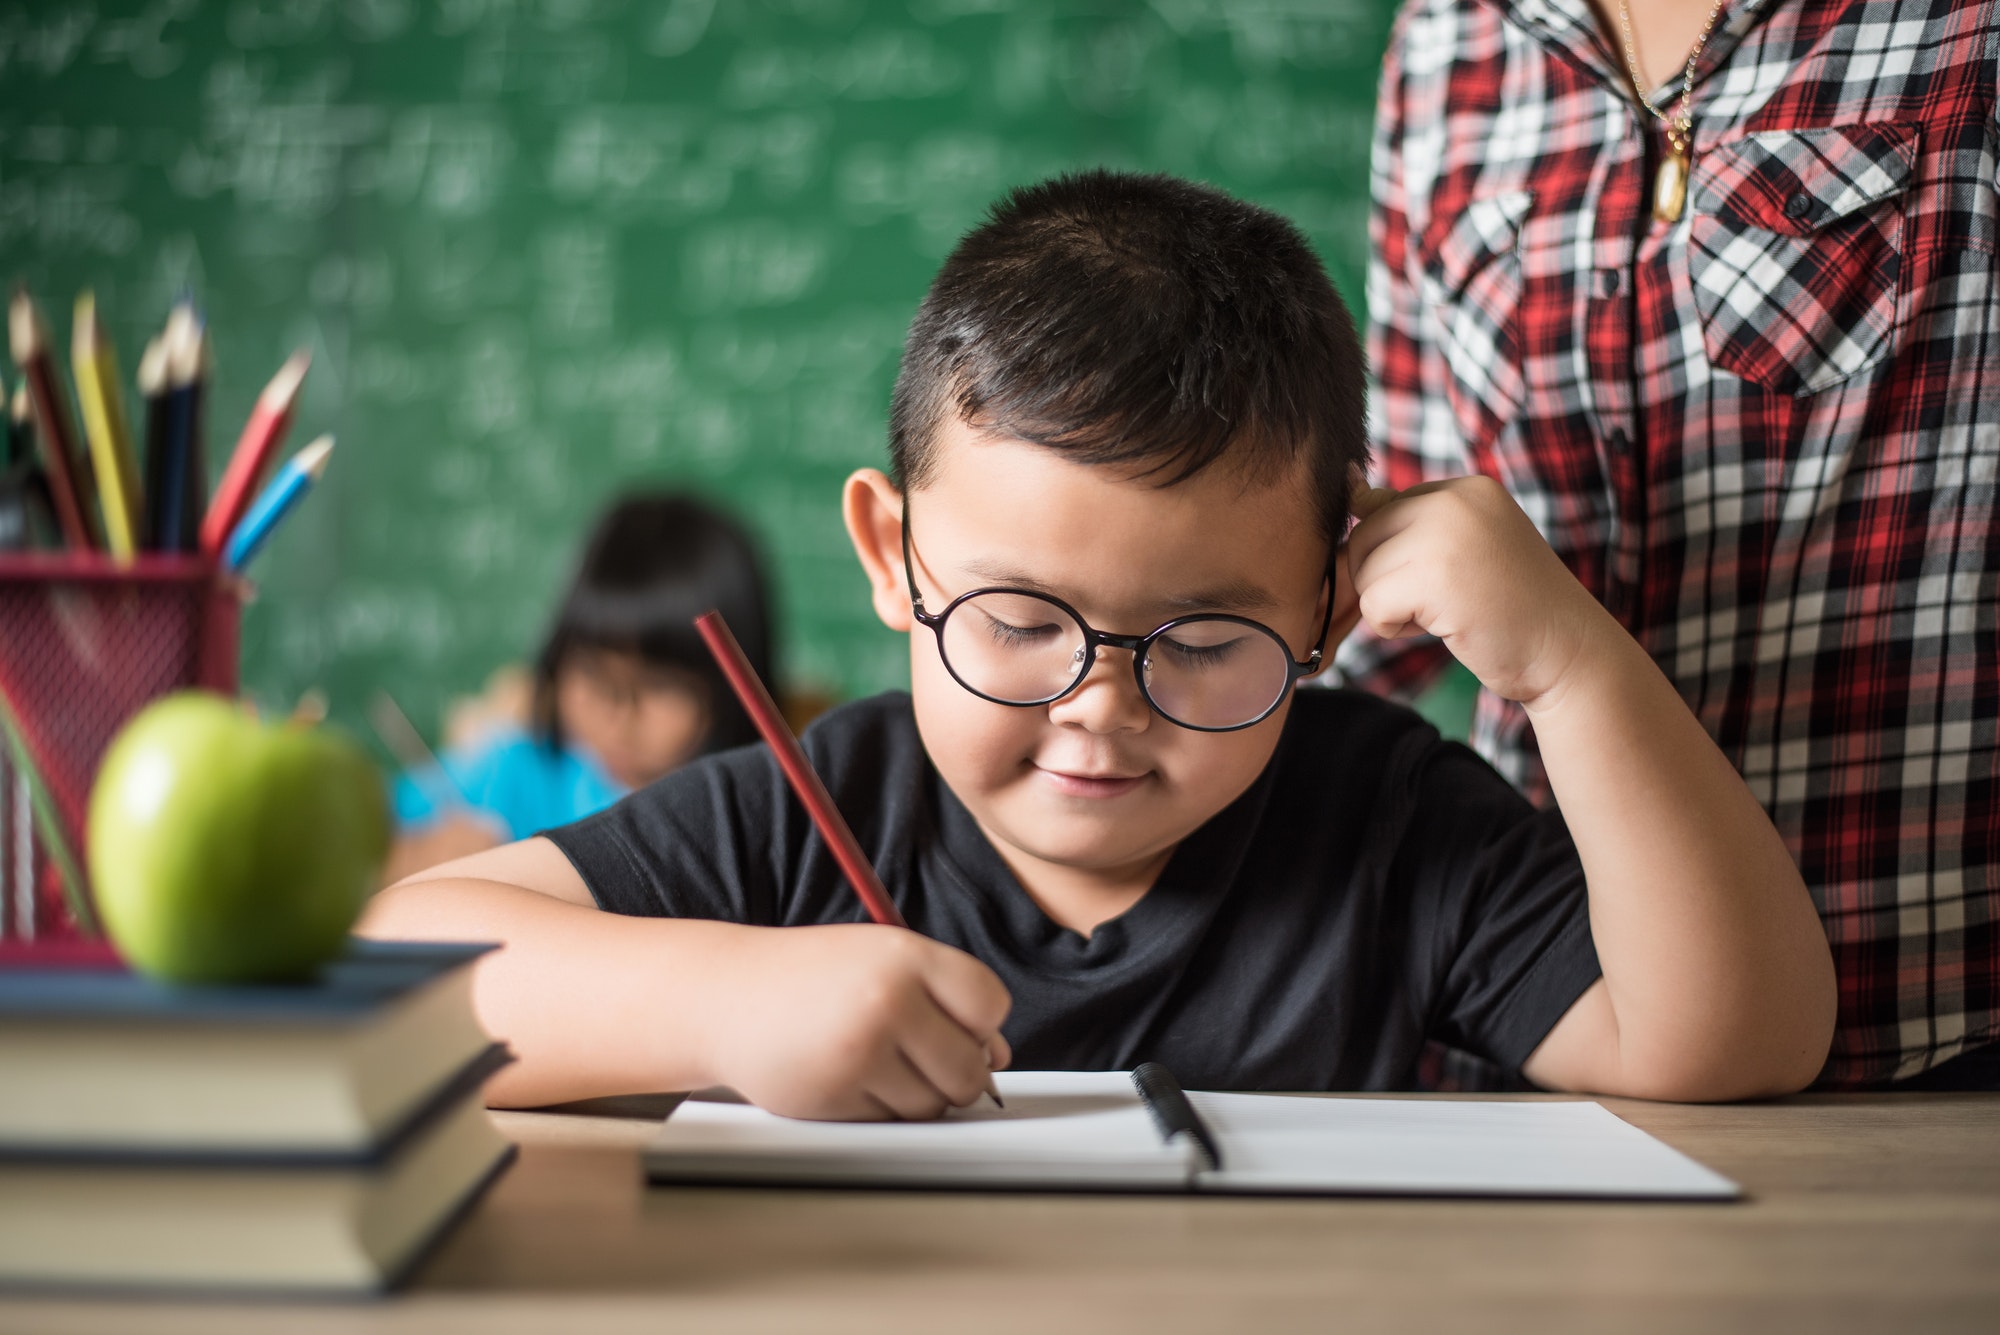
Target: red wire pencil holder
[(86, 642)]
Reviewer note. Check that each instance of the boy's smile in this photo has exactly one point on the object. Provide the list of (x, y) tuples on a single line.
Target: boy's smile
[(1090, 786), (1086, 796)]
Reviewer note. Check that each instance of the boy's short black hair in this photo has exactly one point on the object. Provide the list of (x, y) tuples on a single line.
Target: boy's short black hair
[(653, 562), (1144, 321)]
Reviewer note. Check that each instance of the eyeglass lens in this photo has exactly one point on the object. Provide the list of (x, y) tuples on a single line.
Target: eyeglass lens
[(1204, 672)]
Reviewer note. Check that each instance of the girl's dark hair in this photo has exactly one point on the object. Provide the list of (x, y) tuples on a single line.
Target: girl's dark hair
[(1143, 322), (651, 565)]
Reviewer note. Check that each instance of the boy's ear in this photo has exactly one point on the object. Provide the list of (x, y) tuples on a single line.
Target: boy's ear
[(873, 509)]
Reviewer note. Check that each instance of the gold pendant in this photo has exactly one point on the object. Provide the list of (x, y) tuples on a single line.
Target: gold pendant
[(1670, 187)]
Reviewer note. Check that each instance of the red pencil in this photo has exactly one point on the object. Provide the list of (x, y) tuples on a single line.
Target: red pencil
[(69, 476), (763, 711), (256, 450)]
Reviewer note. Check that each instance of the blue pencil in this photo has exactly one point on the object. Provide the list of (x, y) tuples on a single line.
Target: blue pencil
[(276, 501)]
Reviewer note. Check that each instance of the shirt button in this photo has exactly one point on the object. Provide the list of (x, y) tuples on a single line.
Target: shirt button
[(1617, 439), (1799, 205), (1609, 281)]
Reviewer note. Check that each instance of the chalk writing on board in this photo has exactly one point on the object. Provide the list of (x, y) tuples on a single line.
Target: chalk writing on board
[(870, 66), (642, 375), (754, 262), (1271, 32), (79, 209), (578, 282), (361, 282), (546, 249), (680, 27)]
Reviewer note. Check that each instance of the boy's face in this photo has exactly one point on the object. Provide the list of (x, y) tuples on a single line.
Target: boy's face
[(1096, 781)]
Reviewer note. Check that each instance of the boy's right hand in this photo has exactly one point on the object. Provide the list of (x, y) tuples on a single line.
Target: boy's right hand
[(855, 1023), (1459, 559)]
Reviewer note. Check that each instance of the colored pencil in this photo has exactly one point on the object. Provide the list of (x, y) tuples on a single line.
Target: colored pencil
[(35, 512), (16, 527), (805, 781), (22, 823), (21, 424), (48, 823), (69, 479), (27, 523), (175, 486), (23, 927), (152, 380), (819, 804), (10, 837), (96, 367), (276, 501), (256, 451), (421, 763)]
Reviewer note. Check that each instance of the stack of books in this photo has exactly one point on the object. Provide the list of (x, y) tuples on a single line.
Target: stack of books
[(308, 1138)]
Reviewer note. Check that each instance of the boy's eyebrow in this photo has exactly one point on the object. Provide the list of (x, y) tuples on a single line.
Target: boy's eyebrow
[(1237, 595)]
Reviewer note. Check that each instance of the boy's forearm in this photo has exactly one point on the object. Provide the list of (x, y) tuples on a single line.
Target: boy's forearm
[(592, 1003), (1715, 964)]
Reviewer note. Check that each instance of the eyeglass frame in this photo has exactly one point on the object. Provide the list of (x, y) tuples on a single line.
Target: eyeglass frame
[(1136, 645)]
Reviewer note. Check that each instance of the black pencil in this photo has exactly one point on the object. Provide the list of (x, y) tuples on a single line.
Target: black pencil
[(20, 426), (153, 390), (184, 475), (27, 507)]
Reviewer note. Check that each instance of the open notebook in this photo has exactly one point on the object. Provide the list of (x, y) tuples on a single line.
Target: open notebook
[(1115, 1131)]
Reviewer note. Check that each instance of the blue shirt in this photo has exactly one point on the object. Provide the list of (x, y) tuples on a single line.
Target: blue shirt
[(513, 778)]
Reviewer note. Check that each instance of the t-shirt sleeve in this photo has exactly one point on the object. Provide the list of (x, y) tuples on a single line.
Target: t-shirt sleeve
[(1503, 892), (707, 841)]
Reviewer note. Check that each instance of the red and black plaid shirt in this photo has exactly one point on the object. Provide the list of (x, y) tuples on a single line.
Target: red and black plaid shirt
[(1765, 435)]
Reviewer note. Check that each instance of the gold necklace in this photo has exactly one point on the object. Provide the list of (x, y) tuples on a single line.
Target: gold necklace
[(1671, 184)]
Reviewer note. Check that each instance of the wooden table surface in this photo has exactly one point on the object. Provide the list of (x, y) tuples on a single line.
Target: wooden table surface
[(1866, 1212)]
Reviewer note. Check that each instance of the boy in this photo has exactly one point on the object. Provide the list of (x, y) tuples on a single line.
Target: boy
[(1124, 434)]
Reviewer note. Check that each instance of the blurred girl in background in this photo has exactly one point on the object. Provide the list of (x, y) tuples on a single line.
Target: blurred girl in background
[(622, 692)]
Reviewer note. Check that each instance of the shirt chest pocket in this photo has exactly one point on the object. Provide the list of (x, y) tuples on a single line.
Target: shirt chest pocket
[(1471, 284), (1795, 252)]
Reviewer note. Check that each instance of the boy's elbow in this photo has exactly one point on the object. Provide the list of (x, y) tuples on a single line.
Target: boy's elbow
[(1800, 1063), (1780, 1054), (1795, 1044), (423, 908), (394, 913), (1712, 1082)]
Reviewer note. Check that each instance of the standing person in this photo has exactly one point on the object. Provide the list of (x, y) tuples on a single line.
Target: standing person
[(1711, 291), (623, 690)]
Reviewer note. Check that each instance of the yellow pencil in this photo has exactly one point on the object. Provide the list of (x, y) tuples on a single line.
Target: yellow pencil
[(104, 423)]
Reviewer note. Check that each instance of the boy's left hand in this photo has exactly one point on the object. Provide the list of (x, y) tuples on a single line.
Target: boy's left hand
[(1459, 560)]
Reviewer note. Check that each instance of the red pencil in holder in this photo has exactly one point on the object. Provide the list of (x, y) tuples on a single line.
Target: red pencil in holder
[(85, 643)]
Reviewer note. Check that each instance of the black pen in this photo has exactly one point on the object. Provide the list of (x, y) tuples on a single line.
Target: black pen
[(1172, 1112)]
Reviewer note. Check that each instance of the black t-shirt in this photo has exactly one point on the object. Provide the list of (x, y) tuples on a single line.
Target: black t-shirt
[(1376, 886)]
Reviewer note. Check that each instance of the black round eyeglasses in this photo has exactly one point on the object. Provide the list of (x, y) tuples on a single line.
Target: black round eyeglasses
[(1210, 672)]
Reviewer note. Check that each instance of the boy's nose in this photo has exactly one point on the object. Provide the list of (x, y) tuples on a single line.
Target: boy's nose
[(1107, 700)]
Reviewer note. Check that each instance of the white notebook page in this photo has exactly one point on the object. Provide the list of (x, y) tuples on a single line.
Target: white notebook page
[(1276, 1143), (1059, 1128), (1082, 1129)]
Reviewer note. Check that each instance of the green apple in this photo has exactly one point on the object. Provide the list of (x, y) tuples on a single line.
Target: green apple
[(223, 849)]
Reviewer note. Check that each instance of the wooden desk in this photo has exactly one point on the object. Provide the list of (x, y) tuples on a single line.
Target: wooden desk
[(1870, 1212)]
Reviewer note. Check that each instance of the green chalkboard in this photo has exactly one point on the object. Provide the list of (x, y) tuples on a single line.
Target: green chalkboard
[(543, 249)]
